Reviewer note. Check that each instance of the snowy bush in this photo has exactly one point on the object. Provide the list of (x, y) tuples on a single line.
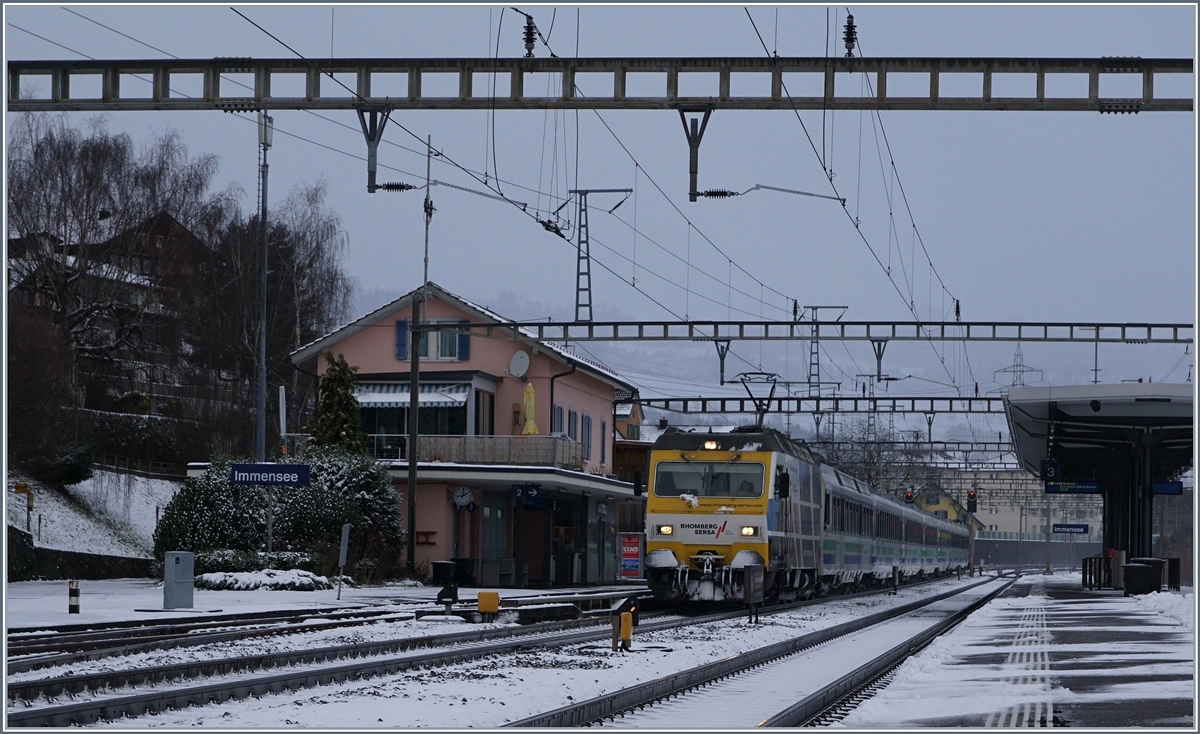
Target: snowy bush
[(237, 561), (271, 579), (209, 514), (347, 487)]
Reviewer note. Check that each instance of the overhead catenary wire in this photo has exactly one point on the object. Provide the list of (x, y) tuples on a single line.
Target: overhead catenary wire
[(499, 197), (833, 186), (451, 160)]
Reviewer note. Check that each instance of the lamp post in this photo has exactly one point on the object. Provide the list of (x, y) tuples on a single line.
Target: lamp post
[(266, 129)]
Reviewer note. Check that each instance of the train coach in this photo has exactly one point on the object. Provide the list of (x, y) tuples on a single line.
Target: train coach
[(728, 511)]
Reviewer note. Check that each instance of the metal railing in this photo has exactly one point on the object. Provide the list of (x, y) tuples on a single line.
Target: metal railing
[(555, 451), (140, 467), (1034, 537)]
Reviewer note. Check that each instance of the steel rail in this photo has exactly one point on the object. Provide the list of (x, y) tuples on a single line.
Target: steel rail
[(608, 705), (212, 83), (86, 712), (97, 639), (38, 662), (812, 706), (188, 638)]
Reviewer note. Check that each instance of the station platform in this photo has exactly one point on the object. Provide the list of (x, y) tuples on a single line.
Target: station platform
[(1050, 653)]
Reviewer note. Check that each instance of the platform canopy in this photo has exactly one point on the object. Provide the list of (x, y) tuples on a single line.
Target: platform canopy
[(1126, 436)]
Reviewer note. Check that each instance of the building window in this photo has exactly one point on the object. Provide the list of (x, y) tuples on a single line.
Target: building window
[(585, 436), (572, 425), (556, 419), (634, 431), (447, 345), (603, 442)]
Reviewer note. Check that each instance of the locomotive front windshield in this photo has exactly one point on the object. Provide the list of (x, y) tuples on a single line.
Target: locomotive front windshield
[(708, 479)]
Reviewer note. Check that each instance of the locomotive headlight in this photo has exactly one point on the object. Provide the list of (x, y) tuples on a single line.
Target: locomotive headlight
[(666, 529), (749, 531), (710, 445)]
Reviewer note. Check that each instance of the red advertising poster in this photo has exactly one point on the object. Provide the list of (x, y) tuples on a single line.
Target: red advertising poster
[(631, 555)]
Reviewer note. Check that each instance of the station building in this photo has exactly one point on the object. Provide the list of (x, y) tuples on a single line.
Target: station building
[(518, 485)]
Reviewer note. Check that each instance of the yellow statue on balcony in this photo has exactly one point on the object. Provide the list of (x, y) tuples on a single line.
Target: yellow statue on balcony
[(530, 428)]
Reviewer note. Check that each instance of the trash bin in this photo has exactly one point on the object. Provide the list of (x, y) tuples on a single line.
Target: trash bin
[(443, 572), (1173, 574), (464, 571), (1138, 578), (1159, 566)]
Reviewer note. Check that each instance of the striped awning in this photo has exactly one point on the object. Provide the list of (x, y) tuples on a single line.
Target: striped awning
[(396, 394)]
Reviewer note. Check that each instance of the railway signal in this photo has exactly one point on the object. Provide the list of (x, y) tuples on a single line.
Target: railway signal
[(972, 503), (909, 496)]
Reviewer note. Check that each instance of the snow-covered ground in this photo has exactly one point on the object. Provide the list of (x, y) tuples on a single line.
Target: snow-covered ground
[(109, 514), (941, 683), (974, 672)]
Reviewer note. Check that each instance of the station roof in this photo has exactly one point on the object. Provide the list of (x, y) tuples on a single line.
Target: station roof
[(1087, 418)]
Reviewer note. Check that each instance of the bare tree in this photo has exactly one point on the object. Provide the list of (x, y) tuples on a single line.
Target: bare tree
[(75, 206)]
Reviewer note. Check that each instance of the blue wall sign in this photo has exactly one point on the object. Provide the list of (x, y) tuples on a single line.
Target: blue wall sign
[(1070, 528), (287, 475), (1168, 488), (1072, 487)]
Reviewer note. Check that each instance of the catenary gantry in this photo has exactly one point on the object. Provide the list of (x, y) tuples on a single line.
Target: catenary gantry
[(364, 81), (926, 405), (870, 331)]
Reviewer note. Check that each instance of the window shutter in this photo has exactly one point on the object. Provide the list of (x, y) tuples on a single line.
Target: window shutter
[(402, 340), (464, 345)]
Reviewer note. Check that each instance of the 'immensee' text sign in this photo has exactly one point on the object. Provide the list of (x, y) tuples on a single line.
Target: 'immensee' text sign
[(288, 475)]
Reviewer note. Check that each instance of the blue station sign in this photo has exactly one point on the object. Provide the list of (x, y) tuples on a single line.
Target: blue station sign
[(285, 475), (531, 494), (1072, 487), (1168, 488), (1069, 528)]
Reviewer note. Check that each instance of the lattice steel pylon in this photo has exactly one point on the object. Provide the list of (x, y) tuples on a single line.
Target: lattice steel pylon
[(1018, 368), (583, 266)]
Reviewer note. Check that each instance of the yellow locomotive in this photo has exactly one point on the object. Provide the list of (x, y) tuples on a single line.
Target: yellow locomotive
[(751, 513)]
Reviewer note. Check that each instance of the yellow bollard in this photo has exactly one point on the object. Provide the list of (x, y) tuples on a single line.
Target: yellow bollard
[(489, 605), (626, 631)]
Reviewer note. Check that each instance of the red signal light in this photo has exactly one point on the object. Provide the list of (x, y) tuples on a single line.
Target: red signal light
[(971, 494), (909, 496)]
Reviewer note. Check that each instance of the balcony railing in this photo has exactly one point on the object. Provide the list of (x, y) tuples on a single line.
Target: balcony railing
[(554, 451)]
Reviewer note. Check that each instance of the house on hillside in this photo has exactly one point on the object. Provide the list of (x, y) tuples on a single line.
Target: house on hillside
[(524, 493), (125, 291), (941, 504)]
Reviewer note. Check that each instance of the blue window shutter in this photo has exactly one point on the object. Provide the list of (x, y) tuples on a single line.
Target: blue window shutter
[(464, 345), (402, 340)]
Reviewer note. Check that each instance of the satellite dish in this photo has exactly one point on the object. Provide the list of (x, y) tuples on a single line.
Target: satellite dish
[(519, 364)]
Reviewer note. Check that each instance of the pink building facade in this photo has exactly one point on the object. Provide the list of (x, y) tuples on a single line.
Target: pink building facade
[(514, 509)]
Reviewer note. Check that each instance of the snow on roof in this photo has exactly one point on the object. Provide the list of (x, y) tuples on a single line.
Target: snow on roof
[(311, 349)]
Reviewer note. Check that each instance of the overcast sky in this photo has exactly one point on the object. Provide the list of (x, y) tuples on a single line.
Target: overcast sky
[(1033, 216)]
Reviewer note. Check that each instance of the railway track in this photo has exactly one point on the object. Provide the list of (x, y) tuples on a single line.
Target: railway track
[(39, 649), (675, 692), (108, 695)]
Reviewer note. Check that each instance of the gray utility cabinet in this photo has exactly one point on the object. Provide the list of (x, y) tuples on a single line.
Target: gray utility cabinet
[(178, 580)]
